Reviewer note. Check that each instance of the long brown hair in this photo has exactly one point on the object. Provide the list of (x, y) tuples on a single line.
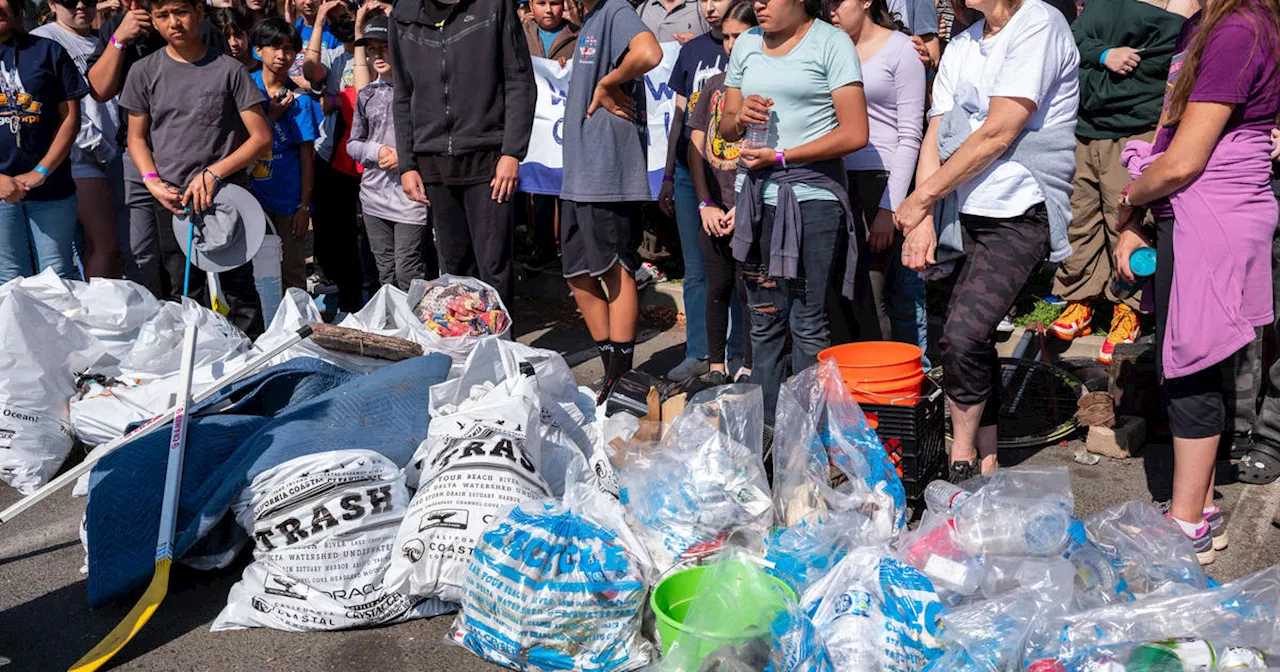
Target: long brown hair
[(1214, 13)]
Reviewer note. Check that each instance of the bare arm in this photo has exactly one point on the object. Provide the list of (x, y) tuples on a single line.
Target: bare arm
[(1005, 120), (140, 152), (697, 171), (106, 77), (69, 111), (1193, 142), (643, 54), (313, 71), (677, 127), (848, 137), (731, 129)]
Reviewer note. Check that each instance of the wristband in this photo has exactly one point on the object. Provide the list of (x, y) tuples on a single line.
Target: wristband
[(116, 43), (1102, 60), (42, 170), (668, 178), (706, 203), (1124, 195), (780, 158), (302, 207), (149, 176)]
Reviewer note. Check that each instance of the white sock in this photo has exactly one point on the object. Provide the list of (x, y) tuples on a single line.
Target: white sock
[(1189, 529), (1209, 509)]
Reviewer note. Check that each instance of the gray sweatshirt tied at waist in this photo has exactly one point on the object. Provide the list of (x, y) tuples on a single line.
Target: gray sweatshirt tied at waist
[(1049, 154), (788, 229)]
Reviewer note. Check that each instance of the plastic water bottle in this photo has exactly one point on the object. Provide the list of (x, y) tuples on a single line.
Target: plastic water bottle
[(1096, 576), (1046, 529), (266, 275), (757, 136), (944, 497), (1143, 264)]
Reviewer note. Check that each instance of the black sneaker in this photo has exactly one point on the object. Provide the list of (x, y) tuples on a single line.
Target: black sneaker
[(715, 378), (963, 471)]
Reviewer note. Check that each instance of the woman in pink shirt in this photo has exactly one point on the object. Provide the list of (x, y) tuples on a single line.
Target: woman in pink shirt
[(1207, 181)]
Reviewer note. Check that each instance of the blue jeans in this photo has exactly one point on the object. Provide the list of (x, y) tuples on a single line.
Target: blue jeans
[(689, 222), (905, 305), (779, 305), (35, 235)]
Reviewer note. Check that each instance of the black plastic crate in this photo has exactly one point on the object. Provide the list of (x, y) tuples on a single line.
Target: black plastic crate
[(914, 437)]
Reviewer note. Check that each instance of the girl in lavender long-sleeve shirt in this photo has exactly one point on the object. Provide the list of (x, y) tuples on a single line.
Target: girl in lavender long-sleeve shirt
[(397, 227), (880, 174)]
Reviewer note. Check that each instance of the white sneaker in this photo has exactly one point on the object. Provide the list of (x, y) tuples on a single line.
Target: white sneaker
[(688, 368), (1006, 325), (647, 275)]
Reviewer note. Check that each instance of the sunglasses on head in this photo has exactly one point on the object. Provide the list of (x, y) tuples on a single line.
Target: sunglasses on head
[(72, 4)]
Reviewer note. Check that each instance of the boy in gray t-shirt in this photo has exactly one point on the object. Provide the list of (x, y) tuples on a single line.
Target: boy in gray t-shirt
[(195, 122), (606, 175)]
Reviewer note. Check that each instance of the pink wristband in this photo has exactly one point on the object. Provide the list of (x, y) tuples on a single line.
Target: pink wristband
[(115, 43), (149, 176), (780, 159), (668, 178)]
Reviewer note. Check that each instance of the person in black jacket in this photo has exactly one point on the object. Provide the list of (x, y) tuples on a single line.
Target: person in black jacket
[(463, 107)]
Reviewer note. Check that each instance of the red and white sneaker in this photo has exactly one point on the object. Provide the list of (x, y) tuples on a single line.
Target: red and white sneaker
[(1124, 329), (1074, 322)]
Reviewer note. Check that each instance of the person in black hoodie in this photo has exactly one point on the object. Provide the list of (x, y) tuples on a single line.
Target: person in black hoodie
[(463, 107)]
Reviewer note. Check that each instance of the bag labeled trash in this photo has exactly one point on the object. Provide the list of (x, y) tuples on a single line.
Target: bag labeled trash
[(876, 613), (40, 353), (558, 586), (323, 528), (481, 456)]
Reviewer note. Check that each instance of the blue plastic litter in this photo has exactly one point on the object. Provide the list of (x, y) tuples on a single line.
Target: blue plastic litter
[(317, 407)]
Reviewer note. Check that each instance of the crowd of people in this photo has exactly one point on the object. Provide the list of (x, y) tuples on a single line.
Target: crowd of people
[(826, 158)]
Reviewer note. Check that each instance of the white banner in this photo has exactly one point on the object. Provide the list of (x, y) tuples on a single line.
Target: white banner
[(543, 167)]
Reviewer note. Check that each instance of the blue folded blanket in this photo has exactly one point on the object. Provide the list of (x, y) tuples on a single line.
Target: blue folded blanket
[(298, 408)]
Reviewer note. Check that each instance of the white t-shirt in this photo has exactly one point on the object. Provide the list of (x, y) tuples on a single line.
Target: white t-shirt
[(1033, 57)]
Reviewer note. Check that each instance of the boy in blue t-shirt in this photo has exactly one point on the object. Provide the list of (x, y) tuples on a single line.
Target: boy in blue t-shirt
[(282, 177)]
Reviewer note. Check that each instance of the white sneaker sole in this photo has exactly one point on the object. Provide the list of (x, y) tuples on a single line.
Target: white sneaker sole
[(1207, 557), (1220, 542)]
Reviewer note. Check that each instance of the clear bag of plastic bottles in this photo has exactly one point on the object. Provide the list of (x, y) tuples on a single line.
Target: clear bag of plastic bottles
[(806, 551), (704, 480), (1243, 613), (1152, 554), (818, 425)]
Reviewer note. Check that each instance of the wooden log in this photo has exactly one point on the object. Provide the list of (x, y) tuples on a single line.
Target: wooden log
[(356, 342)]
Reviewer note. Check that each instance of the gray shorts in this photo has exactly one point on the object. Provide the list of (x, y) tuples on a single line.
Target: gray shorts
[(595, 236)]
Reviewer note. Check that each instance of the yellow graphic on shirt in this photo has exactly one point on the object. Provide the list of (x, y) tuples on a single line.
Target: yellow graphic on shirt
[(720, 154), (261, 168)]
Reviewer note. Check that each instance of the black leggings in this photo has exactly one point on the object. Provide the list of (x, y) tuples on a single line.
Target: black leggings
[(1198, 403), (1000, 256), (723, 277)]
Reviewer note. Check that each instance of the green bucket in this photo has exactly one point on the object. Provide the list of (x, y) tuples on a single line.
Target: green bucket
[(674, 595)]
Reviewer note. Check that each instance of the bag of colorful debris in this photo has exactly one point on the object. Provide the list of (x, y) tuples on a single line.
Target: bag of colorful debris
[(457, 310)]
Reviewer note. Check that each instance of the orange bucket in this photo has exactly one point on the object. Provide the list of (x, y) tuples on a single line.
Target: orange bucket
[(882, 362)]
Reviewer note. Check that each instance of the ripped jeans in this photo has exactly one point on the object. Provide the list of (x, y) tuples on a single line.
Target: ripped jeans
[(778, 305)]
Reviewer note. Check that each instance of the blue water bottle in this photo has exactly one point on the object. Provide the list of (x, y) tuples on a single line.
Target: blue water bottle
[(1143, 264)]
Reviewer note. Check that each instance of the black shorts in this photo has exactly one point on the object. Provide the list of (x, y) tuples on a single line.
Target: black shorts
[(594, 236)]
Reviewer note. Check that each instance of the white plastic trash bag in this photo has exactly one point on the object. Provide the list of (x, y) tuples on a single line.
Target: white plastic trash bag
[(558, 586), (40, 353), (322, 528), (158, 348), (296, 311), (481, 456)]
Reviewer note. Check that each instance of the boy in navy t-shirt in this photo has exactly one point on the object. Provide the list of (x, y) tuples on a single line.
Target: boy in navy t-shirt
[(282, 178)]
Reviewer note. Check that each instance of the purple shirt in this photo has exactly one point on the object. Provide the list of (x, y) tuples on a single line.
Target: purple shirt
[(1240, 65), (893, 81), (371, 130)]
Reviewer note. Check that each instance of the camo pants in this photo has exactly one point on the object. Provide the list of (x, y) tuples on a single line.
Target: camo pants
[(1000, 256)]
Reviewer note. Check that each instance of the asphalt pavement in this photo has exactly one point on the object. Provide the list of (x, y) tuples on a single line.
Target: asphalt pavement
[(45, 623)]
